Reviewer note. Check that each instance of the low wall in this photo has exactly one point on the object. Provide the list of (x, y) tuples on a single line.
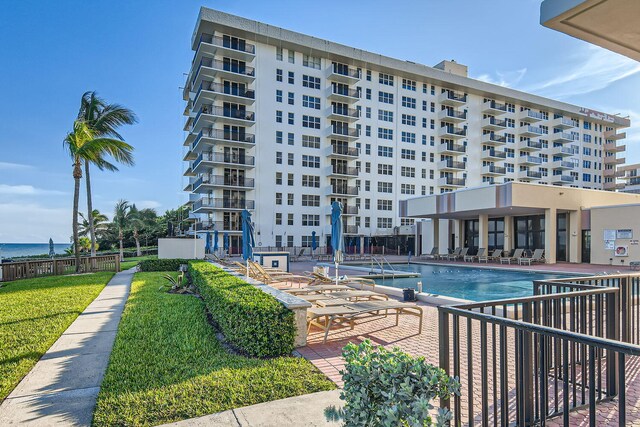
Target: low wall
[(181, 248)]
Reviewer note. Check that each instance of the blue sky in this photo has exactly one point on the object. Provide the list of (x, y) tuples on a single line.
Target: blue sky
[(136, 53)]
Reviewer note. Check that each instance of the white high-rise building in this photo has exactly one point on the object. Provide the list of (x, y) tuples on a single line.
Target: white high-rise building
[(283, 124)]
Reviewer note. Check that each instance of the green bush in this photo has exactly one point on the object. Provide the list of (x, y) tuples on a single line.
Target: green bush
[(388, 388), (251, 320), (161, 264)]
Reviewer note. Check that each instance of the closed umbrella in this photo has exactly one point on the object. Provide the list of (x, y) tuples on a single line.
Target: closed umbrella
[(337, 243), (314, 243), (207, 245), (225, 242), (215, 241), (247, 237), (52, 252)]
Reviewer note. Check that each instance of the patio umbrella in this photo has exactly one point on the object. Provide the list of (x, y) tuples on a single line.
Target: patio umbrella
[(314, 243), (215, 241), (207, 244), (247, 237), (337, 243), (225, 242), (52, 252)]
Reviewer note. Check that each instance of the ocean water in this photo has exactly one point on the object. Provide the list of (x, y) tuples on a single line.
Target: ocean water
[(11, 250)]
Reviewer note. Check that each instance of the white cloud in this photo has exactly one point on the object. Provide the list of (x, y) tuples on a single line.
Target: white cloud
[(504, 78), (589, 70), (148, 204), (27, 190), (13, 166), (32, 222)]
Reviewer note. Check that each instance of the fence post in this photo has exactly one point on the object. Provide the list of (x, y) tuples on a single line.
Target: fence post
[(527, 370), (117, 258), (443, 344), (613, 333), (625, 308)]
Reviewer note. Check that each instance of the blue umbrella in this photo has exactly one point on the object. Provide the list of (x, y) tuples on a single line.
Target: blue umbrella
[(52, 252), (215, 241), (207, 245), (314, 242), (247, 237), (337, 242), (225, 241)]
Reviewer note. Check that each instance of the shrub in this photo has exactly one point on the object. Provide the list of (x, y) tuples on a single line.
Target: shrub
[(161, 264), (391, 388), (251, 320)]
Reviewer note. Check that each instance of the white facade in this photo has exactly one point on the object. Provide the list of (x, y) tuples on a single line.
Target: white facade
[(293, 122)]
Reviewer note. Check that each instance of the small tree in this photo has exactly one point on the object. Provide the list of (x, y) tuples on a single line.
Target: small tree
[(390, 388)]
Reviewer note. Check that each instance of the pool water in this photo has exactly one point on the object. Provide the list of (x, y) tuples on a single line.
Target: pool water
[(469, 283)]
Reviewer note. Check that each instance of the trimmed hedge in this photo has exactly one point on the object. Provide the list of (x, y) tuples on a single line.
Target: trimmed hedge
[(251, 320), (161, 264)]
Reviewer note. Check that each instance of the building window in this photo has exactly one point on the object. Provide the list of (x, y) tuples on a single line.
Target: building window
[(278, 96), (368, 75), (385, 205), (311, 102), (278, 178), (310, 220), (409, 137), (290, 241), (408, 119), (278, 137), (385, 151), (290, 118), (309, 141), (310, 82), (310, 200), (311, 122), (368, 94), (385, 222), (279, 53), (385, 79), (290, 203), (291, 78), (311, 161), (409, 84), (290, 180), (407, 189), (311, 61), (278, 198), (408, 154), (278, 116), (385, 116), (278, 218), (278, 157), (278, 75), (385, 97), (290, 159), (312, 181), (385, 169), (291, 98), (408, 102), (290, 138), (279, 241), (292, 56), (408, 171), (384, 133)]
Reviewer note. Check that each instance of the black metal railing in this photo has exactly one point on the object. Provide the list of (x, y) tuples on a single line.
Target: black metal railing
[(219, 225), (229, 43), (344, 189), (223, 203), (345, 150), (450, 146), (494, 153), (232, 67), (345, 111), (240, 91), (229, 158), (345, 70), (225, 112), (223, 180), (225, 135)]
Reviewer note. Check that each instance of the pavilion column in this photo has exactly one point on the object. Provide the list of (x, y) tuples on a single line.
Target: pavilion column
[(459, 233), (443, 236), (361, 245), (483, 228), (550, 234), (574, 236), (435, 235), (508, 233)]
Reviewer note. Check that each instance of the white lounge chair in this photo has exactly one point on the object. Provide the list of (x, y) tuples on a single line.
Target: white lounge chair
[(536, 257)]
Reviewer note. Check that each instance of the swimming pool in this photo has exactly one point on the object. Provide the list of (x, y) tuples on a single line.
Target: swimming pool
[(469, 283)]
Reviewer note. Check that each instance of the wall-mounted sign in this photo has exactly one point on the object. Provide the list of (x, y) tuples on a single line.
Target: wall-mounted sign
[(609, 235), (621, 250), (634, 242), (609, 245), (624, 234)]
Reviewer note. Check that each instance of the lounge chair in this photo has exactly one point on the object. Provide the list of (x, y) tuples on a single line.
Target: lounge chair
[(536, 257), (453, 255), (495, 256), (353, 295), (431, 255), (471, 258), (461, 255), (299, 256), (517, 254), (325, 317), (355, 281), (319, 289), (279, 276)]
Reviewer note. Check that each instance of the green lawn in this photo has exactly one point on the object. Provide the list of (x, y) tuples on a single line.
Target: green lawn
[(34, 313), (167, 365), (132, 262)]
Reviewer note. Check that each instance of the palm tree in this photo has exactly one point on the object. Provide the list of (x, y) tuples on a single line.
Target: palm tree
[(122, 221), (104, 119), (140, 220), (99, 224)]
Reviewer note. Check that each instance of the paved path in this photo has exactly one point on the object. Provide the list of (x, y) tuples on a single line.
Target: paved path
[(62, 387), (307, 410)]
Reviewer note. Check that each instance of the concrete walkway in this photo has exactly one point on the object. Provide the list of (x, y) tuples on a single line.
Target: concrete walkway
[(306, 410), (62, 388)]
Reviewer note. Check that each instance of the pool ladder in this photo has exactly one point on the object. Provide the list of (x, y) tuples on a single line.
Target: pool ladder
[(381, 266)]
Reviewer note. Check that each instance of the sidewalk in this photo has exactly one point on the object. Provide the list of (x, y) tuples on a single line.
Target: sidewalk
[(62, 387), (306, 410)]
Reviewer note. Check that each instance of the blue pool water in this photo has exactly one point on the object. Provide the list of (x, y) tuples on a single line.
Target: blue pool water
[(469, 283)]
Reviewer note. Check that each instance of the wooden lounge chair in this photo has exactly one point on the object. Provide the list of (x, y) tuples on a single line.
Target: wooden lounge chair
[(517, 254), (325, 317), (319, 289), (460, 255), (269, 277), (431, 255), (453, 255), (495, 256), (536, 257), (355, 281), (299, 256), (353, 295), (471, 258)]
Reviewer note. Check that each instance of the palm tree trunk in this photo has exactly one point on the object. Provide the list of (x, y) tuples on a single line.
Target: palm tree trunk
[(92, 230), (77, 174), (137, 237), (121, 237)]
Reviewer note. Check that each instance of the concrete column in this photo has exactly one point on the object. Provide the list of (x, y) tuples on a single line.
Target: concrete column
[(443, 236), (459, 233), (550, 234), (508, 233), (361, 245), (574, 236), (435, 235), (483, 241)]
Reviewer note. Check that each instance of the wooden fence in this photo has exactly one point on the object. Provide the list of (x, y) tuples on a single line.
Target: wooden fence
[(57, 266)]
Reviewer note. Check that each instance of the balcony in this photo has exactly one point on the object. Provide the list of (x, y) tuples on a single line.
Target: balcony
[(452, 98), (208, 204), (207, 160), (561, 179), (188, 188), (492, 123), (529, 175), (209, 92), (451, 115), (563, 123), (613, 173), (612, 135), (214, 113), (210, 44), (342, 152), (210, 68), (347, 95), (452, 132), (343, 133), (493, 154), (493, 170), (493, 107), (612, 147), (564, 137), (350, 229), (451, 165), (451, 148), (532, 116), (562, 165), (610, 186), (206, 183), (231, 226), (613, 160), (342, 171), (529, 161), (343, 74), (342, 190), (343, 114), (493, 139), (561, 151), (531, 131), (209, 136), (529, 145), (448, 181)]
